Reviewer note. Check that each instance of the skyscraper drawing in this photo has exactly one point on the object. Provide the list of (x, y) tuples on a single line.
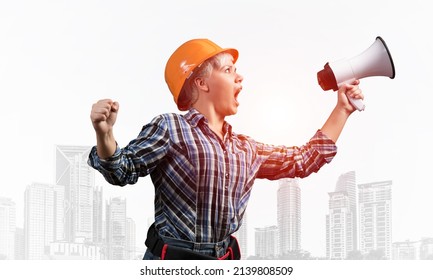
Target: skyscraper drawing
[(426, 249), (116, 229), (337, 226), (289, 215), (406, 250), (78, 178), (266, 242), (130, 246), (19, 244), (7, 228), (98, 204), (341, 222), (375, 215), (413, 250), (43, 219), (347, 183)]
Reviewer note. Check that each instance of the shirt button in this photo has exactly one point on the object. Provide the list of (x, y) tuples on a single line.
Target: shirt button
[(227, 175)]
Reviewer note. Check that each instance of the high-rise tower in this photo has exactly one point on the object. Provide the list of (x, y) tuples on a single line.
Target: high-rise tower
[(7, 228), (289, 215), (341, 222), (78, 178), (43, 219), (375, 217)]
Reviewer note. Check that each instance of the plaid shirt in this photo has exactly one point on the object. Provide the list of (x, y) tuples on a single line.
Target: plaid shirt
[(202, 183)]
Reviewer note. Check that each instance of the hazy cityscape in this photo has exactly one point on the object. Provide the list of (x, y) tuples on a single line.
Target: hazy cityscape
[(70, 219)]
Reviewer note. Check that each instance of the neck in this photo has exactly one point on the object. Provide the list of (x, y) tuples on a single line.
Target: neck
[(215, 121)]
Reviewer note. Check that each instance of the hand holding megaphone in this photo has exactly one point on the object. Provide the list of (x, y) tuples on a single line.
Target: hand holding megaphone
[(374, 61)]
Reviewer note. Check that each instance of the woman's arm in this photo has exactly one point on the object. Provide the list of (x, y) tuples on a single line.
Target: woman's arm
[(338, 117), (103, 117)]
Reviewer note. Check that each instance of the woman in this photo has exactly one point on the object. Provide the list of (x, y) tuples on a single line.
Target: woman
[(202, 171)]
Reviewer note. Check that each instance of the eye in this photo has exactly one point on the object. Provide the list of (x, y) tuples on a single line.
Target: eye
[(230, 69)]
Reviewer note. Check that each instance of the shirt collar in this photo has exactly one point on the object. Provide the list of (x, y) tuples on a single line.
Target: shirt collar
[(194, 117)]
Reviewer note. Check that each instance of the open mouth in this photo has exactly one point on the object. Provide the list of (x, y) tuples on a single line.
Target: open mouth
[(237, 94)]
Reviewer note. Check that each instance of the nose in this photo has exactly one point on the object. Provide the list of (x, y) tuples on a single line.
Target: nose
[(239, 78)]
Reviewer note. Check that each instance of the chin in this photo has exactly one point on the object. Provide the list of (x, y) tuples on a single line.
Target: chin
[(233, 112), (230, 111)]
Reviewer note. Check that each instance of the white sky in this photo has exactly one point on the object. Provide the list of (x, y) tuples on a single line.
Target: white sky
[(58, 57)]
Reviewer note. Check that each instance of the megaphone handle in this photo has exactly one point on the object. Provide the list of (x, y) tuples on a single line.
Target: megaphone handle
[(357, 103)]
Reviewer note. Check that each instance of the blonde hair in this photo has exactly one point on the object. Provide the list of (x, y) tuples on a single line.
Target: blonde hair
[(189, 93)]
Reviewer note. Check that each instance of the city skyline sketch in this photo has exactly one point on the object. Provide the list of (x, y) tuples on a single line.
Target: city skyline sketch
[(70, 219)]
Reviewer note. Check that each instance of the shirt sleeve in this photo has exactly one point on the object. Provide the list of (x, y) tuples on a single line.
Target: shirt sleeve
[(278, 162), (138, 158)]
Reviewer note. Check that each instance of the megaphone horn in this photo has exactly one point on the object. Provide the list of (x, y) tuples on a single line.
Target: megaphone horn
[(374, 61)]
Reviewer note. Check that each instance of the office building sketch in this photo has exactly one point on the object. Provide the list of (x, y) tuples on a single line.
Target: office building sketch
[(289, 215), (426, 248), (44, 218), (19, 243), (116, 229), (130, 246), (375, 215), (337, 226), (406, 250), (341, 222), (266, 242), (7, 228), (78, 179)]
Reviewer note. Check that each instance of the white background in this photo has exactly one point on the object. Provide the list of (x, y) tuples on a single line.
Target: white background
[(58, 57)]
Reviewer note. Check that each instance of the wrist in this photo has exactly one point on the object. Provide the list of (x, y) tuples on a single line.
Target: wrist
[(343, 111), (105, 144)]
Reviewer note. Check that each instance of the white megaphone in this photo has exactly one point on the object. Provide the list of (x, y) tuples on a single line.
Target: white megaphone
[(374, 61)]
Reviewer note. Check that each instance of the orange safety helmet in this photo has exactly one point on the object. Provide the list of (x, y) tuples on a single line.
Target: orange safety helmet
[(186, 58)]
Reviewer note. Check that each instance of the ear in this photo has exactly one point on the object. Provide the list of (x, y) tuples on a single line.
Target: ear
[(201, 84)]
